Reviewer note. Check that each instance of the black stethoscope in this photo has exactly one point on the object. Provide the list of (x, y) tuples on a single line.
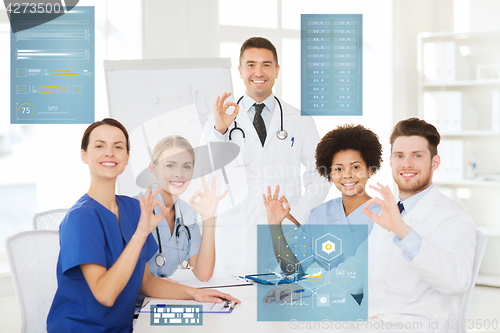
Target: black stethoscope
[(160, 259), (281, 134)]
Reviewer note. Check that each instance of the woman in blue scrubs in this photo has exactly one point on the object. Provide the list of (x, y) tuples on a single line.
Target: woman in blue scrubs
[(181, 243), (347, 156), (106, 244)]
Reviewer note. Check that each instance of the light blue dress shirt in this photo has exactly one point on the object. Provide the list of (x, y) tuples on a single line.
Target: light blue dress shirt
[(411, 243), (267, 112)]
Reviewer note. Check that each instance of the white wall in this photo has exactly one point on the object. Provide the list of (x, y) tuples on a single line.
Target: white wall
[(411, 17), (180, 29), (484, 15)]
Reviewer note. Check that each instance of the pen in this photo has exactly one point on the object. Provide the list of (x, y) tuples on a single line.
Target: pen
[(293, 139), (140, 310), (239, 277)]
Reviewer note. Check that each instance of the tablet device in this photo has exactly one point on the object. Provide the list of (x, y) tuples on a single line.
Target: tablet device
[(271, 278)]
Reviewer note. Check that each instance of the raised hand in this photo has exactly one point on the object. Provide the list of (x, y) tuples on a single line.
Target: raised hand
[(223, 120), (390, 217), (208, 200), (276, 209), (148, 220)]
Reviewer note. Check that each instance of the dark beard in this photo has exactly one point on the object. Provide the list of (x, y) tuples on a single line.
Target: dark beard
[(416, 188)]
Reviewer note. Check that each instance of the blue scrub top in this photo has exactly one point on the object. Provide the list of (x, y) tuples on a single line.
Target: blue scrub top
[(90, 233), (171, 250), (332, 213)]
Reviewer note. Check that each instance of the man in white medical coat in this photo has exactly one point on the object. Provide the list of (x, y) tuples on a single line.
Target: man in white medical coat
[(266, 158), (421, 250)]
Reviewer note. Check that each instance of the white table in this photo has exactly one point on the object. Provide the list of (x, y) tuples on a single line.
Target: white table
[(243, 316), (243, 319)]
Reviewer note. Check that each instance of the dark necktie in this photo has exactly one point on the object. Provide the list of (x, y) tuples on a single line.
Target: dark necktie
[(401, 207), (258, 123)]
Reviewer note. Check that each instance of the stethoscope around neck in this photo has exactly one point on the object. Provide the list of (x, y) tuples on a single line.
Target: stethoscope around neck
[(160, 259), (281, 134)]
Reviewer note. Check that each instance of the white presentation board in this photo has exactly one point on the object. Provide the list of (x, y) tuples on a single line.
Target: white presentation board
[(141, 93)]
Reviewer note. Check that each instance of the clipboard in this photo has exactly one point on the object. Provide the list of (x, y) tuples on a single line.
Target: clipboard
[(222, 307), (270, 278), (218, 282)]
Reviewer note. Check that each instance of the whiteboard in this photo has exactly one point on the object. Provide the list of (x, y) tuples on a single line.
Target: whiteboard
[(143, 91)]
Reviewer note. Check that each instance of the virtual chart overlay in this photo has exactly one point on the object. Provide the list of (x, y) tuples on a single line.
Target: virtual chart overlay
[(320, 273), (331, 64), (52, 68)]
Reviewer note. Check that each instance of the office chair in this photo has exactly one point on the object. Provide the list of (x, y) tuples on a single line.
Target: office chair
[(33, 260), (478, 257), (49, 220)]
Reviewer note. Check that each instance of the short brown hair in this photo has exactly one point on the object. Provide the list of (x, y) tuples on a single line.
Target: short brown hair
[(259, 43), (105, 121), (348, 137), (417, 127)]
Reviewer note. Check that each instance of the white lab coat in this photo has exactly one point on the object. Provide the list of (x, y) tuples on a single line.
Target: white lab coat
[(278, 162), (430, 287)]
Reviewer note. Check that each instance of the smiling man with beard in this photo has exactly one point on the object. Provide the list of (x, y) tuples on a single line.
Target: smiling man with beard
[(421, 250)]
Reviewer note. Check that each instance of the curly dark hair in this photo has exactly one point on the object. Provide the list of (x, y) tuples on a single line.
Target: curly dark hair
[(348, 137)]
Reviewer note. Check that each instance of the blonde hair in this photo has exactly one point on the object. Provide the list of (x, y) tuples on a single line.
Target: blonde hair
[(169, 142)]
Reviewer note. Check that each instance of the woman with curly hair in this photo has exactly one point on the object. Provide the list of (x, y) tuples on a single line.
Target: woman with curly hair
[(347, 156)]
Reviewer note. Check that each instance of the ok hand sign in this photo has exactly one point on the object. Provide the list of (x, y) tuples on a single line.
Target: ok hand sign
[(223, 120), (390, 217), (149, 221), (208, 200), (276, 213)]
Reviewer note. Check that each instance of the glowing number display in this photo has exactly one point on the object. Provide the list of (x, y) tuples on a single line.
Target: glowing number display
[(331, 64)]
